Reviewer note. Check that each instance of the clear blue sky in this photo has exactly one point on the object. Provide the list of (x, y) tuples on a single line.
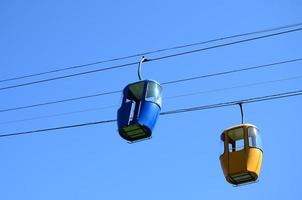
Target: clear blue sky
[(182, 159)]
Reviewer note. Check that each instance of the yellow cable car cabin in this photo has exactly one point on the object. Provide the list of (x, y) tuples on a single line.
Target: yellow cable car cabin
[(242, 156)]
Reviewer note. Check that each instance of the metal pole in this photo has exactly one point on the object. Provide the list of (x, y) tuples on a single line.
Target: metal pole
[(139, 72), (242, 114)]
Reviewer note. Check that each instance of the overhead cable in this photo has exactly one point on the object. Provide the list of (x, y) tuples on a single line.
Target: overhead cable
[(68, 76), (164, 83), (152, 52), (191, 109), (58, 128), (225, 44), (151, 60), (235, 87), (166, 98), (232, 103), (57, 115), (58, 101), (232, 71)]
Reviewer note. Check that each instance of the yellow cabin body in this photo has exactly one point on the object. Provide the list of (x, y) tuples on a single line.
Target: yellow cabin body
[(242, 154)]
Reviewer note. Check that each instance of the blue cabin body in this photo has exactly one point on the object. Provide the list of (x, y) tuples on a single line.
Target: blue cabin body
[(141, 105)]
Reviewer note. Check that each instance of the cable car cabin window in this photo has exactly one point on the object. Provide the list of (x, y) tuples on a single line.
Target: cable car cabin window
[(154, 93), (136, 91), (254, 138), (237, 146), (235, 139)]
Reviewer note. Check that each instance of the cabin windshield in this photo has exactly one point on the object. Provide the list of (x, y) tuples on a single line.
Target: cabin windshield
[(136, 91), (254, 138), (154, 93), (235, 139)]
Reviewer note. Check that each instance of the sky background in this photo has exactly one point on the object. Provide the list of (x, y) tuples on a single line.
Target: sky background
[(181, 161)]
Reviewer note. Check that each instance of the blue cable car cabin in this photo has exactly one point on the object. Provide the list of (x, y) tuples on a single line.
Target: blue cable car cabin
[(141, 105)]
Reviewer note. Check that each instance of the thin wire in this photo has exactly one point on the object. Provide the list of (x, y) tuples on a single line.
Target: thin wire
[(232, 103), (57, 115), (68, 76), (58, 128), (59, 101), (232, 71), (234, 87), (165, 83), (226, 44), (212, 106), (169, 97), (152, 52), (150, 60)]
